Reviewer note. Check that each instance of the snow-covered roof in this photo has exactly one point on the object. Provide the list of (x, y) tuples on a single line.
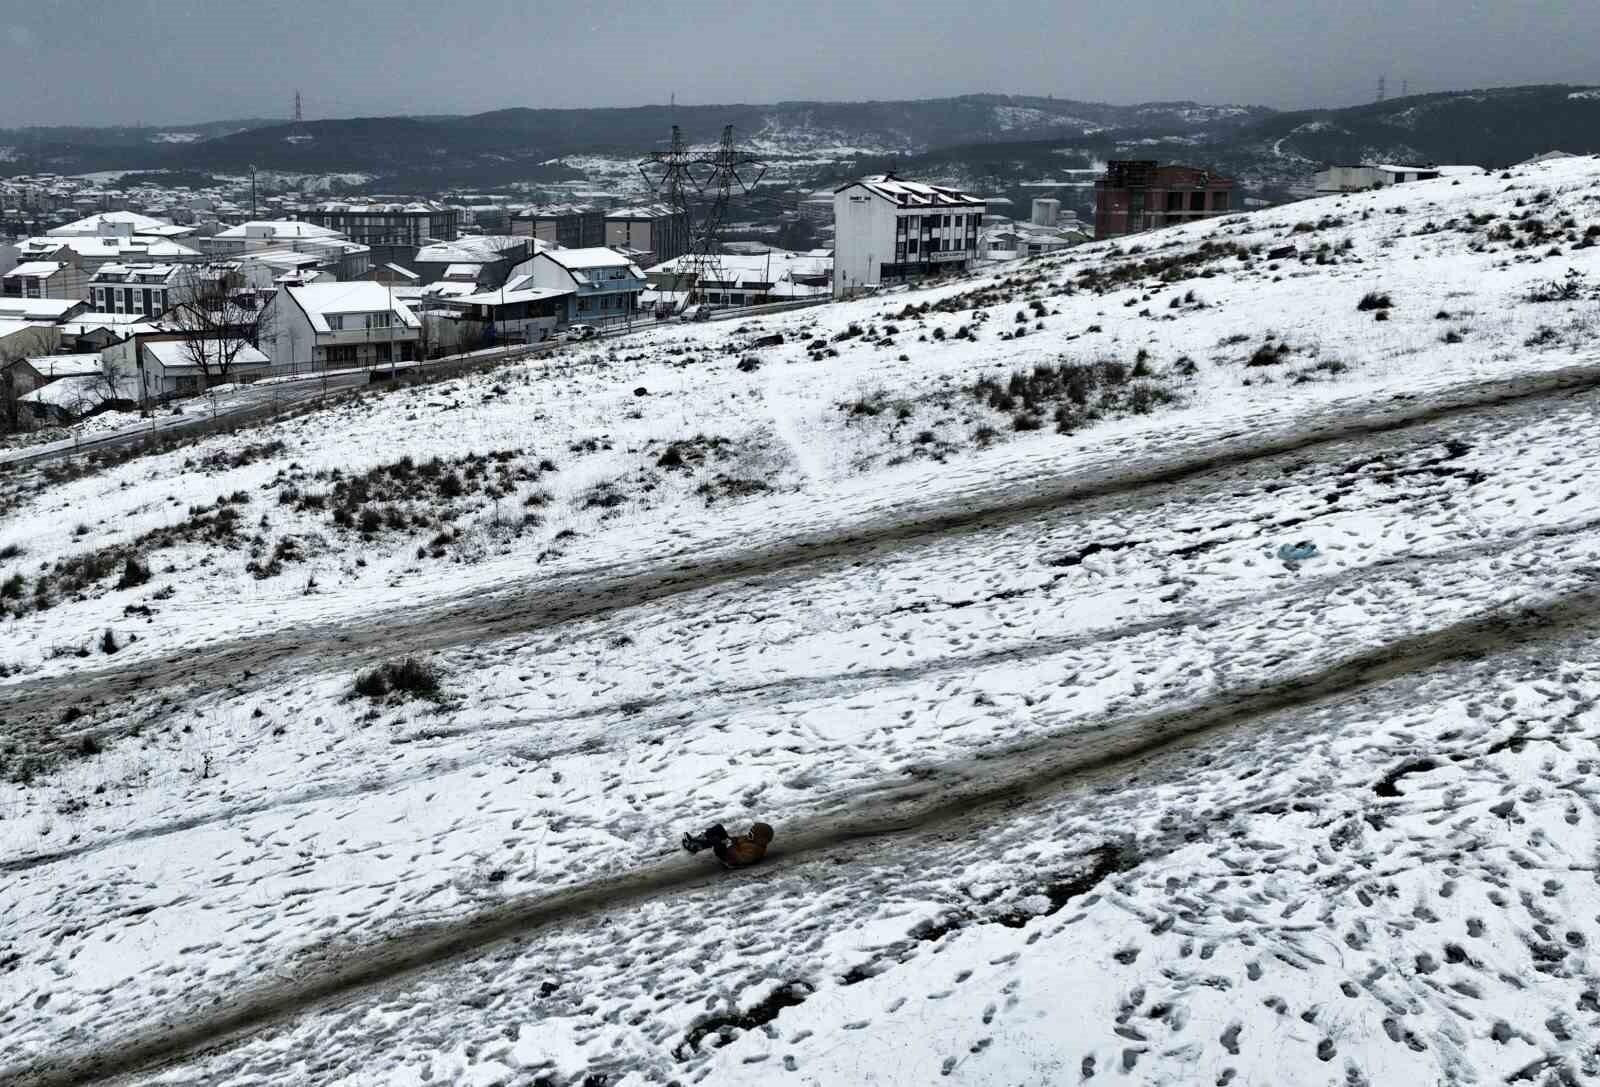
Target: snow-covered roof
[(275, 229), (416, 206), (37, 268), (81, 392), (318, 300), (111, 246), (37, 309), (462, 271), (914, 193), (54, 366), (471, 249), (176, 354), (773, 267), (516, 291), (11, 328), (94, 224), (647, 211), (1394, 168), (135, 273), (397, 270)]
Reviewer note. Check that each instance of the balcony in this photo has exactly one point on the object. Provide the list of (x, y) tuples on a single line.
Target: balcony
[(398, 334)]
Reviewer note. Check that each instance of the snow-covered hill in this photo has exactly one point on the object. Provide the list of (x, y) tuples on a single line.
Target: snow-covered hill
[(976, 593)]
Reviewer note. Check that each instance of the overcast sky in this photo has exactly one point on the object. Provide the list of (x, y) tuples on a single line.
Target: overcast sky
[(173, 61)]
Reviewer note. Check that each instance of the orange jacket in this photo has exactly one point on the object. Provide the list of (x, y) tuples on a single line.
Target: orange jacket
[(745, 849)]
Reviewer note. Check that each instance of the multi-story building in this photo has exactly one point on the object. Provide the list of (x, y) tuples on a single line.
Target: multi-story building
[(571, 226), (404, 225), (92, 251), (888, 230), (605, 285), (1139, 195), (146, 289), (340, 324), (45, 279), (655, 231), (260, 234)]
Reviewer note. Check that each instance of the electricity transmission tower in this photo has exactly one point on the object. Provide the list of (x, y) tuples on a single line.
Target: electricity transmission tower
[(708, 177)]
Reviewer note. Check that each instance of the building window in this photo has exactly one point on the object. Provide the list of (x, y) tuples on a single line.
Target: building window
[(911, 246), (377, 320)]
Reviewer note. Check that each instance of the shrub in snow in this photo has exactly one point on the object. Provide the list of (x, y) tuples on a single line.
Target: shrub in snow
[(406, 678)]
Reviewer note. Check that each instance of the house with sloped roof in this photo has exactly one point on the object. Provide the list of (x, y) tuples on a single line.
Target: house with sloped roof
[(357, 324), (605, 284)]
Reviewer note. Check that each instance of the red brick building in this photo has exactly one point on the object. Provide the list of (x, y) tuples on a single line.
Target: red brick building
[(1135, 196)]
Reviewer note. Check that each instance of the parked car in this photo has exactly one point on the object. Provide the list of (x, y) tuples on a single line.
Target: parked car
[(698, 312), (582, 332)]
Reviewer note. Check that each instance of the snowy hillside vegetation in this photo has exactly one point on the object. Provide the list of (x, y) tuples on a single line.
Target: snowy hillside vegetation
[(1168, 662)]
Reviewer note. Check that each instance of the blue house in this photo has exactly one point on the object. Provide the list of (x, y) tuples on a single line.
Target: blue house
[(606, 284)]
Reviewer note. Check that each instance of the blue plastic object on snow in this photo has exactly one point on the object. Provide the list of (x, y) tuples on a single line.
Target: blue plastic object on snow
[(1298, 551)]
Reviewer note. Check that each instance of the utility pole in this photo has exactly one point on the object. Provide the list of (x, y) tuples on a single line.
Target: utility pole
[(389, 280), (1383, 87)]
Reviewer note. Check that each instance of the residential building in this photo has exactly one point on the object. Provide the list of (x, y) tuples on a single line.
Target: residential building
[(490, 258), (1337, 179), (161, 365), (1138, 195), (63, 279), (92, 252), (120, 224), (606, 285), (518, 312), (261, 234), (145, 289), (45, 311), (96, 331), (752, 279), (888, 230), (571, 226), (22, 339), (402, 225), (340, 324), (656, 231)]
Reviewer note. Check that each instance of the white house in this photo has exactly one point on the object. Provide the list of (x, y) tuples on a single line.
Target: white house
[(340, 324), (746, 279), (157, 366), (1362, 178), (120, 224), (267, 234), (606, 284), (887, 230)]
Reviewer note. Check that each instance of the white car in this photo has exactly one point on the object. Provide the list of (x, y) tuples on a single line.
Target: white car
[(582, 332)]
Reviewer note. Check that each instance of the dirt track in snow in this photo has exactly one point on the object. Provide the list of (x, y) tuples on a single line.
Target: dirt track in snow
[(32, 711), (954, 799)]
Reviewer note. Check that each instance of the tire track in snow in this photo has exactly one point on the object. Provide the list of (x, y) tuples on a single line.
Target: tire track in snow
[(668, 710), (957, 798), (32, 708)]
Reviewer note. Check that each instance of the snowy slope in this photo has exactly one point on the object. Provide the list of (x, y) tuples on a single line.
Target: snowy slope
[(1072, 781)]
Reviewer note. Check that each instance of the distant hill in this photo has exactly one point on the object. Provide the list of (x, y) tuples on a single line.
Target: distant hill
[(1488, 127), (996, 141), (512, 144)]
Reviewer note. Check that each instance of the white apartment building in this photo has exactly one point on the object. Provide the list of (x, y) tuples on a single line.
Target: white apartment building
[(889, 231)]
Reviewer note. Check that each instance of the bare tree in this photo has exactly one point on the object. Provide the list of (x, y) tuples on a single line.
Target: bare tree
[(219, 319), (9, 396)]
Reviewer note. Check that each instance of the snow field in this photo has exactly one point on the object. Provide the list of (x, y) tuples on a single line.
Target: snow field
[(227, 847)]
